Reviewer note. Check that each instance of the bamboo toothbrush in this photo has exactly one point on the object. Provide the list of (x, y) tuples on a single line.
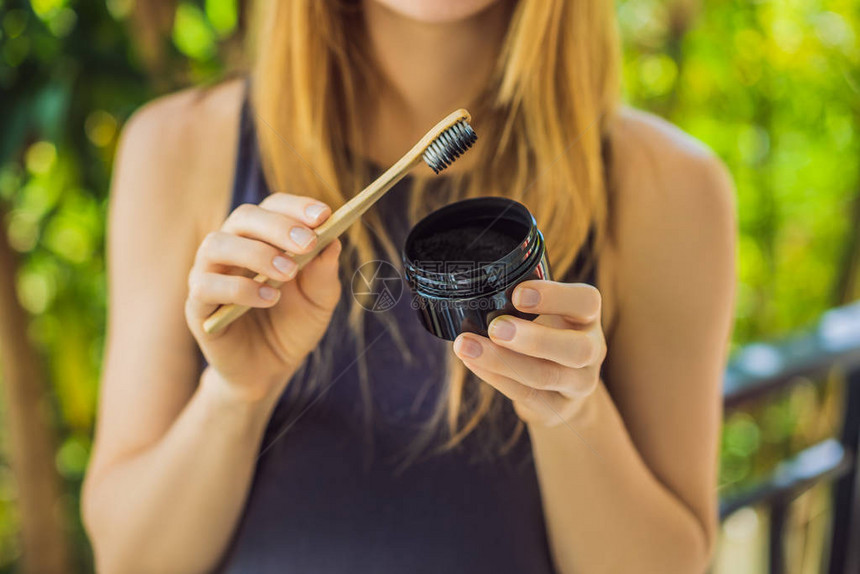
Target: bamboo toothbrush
[(438, 148)]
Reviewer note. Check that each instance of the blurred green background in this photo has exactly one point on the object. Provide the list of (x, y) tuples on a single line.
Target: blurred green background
[(773, 87)]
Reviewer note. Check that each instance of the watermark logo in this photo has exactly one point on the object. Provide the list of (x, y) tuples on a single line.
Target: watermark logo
[(377, 286)]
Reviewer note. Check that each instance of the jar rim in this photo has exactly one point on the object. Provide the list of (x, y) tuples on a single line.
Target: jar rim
[(445, 279)]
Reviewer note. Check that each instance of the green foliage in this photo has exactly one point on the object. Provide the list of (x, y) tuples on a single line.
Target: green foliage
[(192, 34), (771, 87)]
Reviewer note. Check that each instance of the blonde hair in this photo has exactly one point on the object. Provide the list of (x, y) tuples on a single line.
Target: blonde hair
[(541, 121)]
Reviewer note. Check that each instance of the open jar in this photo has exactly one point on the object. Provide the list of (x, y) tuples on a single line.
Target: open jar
[(463, 261)]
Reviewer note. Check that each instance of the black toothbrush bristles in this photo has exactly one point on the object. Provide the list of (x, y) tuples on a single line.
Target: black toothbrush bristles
[(450, 144)]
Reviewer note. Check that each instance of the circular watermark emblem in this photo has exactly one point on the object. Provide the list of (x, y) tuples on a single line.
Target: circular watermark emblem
[(377, 286)]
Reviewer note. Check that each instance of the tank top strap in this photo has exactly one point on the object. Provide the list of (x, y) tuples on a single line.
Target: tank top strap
[(249, 183)]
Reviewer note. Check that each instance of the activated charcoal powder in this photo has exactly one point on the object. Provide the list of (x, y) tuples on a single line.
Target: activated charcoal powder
[(477, 243), (496, 233)]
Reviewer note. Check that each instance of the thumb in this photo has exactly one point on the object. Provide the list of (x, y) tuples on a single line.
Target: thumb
[(319, 281)]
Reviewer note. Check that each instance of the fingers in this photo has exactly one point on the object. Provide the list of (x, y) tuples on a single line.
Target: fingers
[(512, 389), (526, 399), (573, 348), (308, 210), (580, 303), (319, 281), (537, 373), (207, 290), (256, 237), (279, 230), (222, 248)]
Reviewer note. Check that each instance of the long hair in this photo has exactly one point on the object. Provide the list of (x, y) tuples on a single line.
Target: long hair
[(541, 119)]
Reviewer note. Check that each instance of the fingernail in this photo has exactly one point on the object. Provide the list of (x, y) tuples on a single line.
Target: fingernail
[(302, 236), (268, 293), (468, 348), (502, 329), (525, 297), (284, 265), (313, 211)]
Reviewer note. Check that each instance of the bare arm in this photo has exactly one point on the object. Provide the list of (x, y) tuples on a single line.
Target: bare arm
[(158, 430), (173, 506), (174, 456), (628, 480)]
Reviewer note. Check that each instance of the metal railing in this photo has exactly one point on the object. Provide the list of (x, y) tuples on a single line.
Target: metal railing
[(761, 370)]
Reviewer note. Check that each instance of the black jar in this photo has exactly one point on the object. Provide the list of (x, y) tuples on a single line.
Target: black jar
[(464, 260)]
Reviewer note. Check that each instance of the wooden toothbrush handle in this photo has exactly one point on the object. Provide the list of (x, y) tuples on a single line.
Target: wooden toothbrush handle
[(330, 230)]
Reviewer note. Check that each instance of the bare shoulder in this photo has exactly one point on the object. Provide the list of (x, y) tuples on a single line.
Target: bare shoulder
[(171, 179), (177, 151), (184, 116), (673, 222), (661, 171)]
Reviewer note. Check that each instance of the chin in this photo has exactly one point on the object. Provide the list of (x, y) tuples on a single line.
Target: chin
[(437, 11)]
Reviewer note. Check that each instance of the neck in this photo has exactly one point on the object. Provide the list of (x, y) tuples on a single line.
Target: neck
[(429, 70)]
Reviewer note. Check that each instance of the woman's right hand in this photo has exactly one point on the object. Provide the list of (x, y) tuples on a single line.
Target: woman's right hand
[(257, 353)]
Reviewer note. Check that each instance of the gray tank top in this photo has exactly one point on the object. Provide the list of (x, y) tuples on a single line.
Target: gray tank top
[(329, 495)]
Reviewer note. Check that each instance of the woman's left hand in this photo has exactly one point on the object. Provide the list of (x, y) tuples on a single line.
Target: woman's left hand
[(546, 366)]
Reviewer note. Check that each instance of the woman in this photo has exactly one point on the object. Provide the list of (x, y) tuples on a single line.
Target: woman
[(585, 441)]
